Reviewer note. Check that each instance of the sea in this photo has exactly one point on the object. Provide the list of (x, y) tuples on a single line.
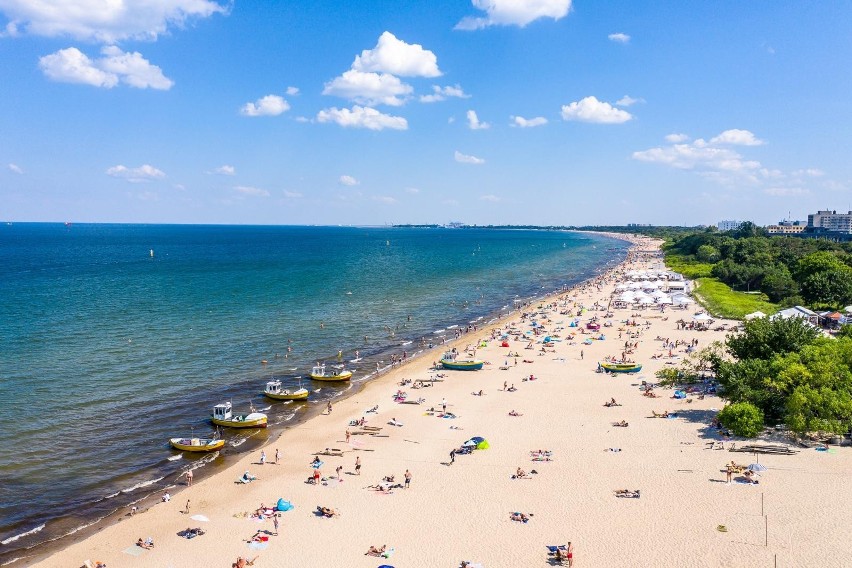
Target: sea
[(116, 337)]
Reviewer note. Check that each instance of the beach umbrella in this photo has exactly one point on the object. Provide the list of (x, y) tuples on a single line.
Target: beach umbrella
[(664, 300), (283, 505), (756, 467)]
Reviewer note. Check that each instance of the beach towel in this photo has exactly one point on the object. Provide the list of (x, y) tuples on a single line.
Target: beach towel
[(258, 545), (388, 553), (200, 518), (134, 550)]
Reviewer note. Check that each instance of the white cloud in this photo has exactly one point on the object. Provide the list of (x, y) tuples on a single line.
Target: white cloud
[(811, 172), (71, 65), (106, 21), (514, 12), (292, 91), (15, 168), (369, 88), (697, 157), (179, 187), (528, 122), (347, 180), (251, 191), (627, 101), (136, 175), (473, 122), (412, 190), (465, 159), (676, 138), (590, 109), (292, 194), (443, 93), (270, 105), (491, 198), (737, 137), (786, 191), (362, 117), (394, 56), (225, 170), (619, 37), (387, 199)]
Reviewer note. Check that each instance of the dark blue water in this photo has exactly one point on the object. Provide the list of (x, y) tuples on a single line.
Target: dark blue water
[(106, 351)]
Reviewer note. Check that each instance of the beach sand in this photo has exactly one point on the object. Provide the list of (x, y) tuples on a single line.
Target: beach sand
[(462, 511)]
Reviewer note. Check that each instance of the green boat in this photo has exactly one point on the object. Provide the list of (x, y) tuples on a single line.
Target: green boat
[(621, 367), (451, 361)]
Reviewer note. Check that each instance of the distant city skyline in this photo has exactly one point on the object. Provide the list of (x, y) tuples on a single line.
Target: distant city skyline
[(527, 112)]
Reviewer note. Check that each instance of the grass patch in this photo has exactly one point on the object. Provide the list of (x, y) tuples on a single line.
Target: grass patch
[(718, 298), (687, 266)]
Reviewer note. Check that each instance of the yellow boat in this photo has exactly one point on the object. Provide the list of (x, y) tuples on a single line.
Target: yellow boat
[(222, 416), (196, 444), (274, 391), (318, 373)]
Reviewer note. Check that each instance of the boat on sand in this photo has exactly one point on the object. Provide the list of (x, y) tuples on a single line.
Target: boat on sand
[(451, 361), (223, 416), (621, 367)]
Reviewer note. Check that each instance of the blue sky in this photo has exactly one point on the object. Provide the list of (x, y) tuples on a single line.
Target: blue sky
[(396, 111)]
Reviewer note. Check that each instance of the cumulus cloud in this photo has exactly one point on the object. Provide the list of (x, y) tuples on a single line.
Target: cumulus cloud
[(392, 55), (270, 105), (676, 138), (105, 21), (347, 180), (619, 37), (443, 93), (143, 173), (590, 109), (15, 168), (369, 88), (251, 191), (522, 122), (513, 12), (810, 172), (737, 137), (473, 122), (224, 170), (465, 159), (627, 101), (71, 65), (362, 117), (292, 91), (491, 198)]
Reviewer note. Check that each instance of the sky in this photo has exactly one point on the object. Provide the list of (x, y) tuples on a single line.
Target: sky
[(543, 112)]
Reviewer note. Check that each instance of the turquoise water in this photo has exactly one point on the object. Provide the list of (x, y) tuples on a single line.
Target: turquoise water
[(108, 351)]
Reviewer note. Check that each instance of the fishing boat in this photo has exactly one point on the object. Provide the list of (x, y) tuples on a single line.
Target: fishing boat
[(319, 373), (197, 444), (274, 391), (621, 367), (223, 416), (451, 361)]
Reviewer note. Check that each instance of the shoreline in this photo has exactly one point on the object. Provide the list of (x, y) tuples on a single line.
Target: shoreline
[(145, 502)]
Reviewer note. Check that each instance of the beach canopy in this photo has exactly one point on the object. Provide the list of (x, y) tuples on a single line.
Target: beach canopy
[(477, 442), (756, 467), (283, 505)]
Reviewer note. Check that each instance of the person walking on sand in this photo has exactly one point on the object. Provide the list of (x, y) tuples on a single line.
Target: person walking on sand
[(348, 434), (262, 457), (581, 354), (358, 465), (275, 525), (407, 478), (277, 456), (452, 456), (328, 407), (444, 405), (505, 385), (188, 475), (186, 509), (337, 471)]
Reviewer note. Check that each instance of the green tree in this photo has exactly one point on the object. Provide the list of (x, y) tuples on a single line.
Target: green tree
[(762, 338), (742, 418), (707, 253), (778, 284)]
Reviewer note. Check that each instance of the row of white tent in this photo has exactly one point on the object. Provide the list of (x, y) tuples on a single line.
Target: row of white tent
[(648, 286), (657, 297), (653, 275)]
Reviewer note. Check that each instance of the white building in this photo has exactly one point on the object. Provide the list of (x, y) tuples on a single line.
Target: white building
[(729, 225), (831, 220)]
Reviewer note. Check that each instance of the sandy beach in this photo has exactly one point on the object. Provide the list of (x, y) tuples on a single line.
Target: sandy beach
[(798, 515)]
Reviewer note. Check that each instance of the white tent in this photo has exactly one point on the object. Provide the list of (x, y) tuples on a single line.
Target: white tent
[(664, 300), (848, 309), (753, 315), (701, 317), (682, 300)]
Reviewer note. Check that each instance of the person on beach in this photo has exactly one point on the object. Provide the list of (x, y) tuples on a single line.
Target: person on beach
[(262, 457), (348, 434), (277, 456), (316, 476), (444, 405), (166, 497), (328, 407), (186, 509), (453, 456), (407, 478), (188, 475), (275, 525), (358, 465), (337, 471)]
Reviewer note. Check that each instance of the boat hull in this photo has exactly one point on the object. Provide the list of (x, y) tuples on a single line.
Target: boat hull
[(186, 445), (248, 422), (344, 376), (301, 394), (462, 365), (616, 368)]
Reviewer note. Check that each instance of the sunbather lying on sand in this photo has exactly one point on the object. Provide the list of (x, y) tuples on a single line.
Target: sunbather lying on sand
[(328, 512), (147, 543), (513, 413), (635, 494), (520, 517), (622, 424), (242, 562), (611, 403), (520, 474), (664, 414), (373, 551)]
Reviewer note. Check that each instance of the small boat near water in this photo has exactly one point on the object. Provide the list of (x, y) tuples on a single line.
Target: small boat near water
[(223, 416), (274, 391), (197, 444), (621, 367), (319, 373), (451, 361)]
